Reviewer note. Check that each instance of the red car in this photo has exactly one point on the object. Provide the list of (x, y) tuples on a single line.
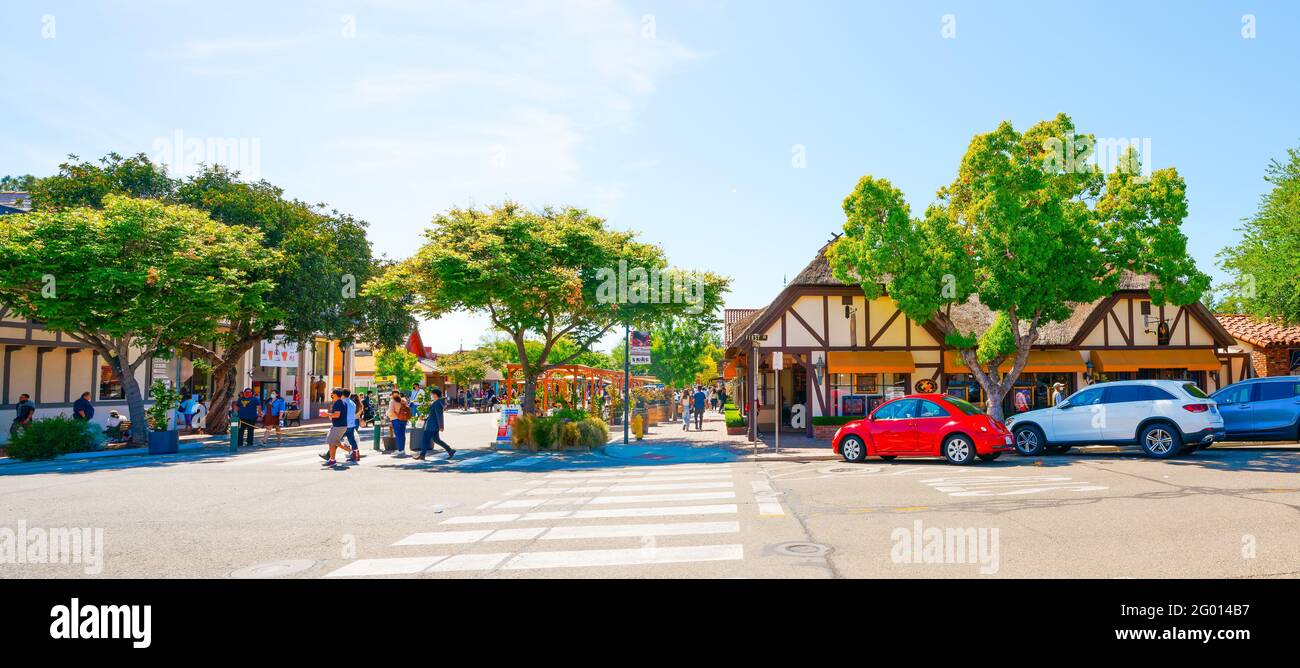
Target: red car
[(924, 425)]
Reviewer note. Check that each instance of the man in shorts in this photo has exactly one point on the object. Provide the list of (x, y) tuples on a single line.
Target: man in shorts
[(338, 428)]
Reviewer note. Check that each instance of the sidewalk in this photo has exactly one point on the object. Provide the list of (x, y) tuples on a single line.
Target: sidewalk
[(794, 447)]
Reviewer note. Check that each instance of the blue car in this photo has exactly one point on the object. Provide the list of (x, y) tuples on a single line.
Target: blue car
[(1261, 409)]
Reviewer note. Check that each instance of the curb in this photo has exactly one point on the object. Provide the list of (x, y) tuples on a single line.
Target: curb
[(97, 454)]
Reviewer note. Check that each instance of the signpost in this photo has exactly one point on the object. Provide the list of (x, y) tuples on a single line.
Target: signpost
[(755, 340), (778, 363)]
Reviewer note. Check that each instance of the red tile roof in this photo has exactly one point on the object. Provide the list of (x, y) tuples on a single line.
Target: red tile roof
[(1259, 332), (732, 317)]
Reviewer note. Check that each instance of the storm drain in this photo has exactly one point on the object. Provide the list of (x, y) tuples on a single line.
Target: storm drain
[(273, 569), (802, 549)]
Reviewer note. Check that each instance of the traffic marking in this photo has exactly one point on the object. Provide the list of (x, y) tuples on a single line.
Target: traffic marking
[(624, 557)]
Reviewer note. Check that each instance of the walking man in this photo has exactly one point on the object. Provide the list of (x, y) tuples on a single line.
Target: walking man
[(248, 409), (433, 423), (338, 428), (700, 397), (351, 434)]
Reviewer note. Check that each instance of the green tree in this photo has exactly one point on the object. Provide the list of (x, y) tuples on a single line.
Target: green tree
[(323, 257), (131, 280), (465, 367), (22, 183), (1265, 265), (1028, 227), (684, 351), (402, 364), (543, 274)]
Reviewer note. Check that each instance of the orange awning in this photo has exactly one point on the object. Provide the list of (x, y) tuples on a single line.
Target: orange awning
[(1040, 361), (729, 369), (1192, 359), (873, 361)]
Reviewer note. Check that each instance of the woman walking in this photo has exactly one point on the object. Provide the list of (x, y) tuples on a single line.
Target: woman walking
[(399, 413)]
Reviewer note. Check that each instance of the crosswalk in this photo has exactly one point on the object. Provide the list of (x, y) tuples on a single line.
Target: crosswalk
[(625, 517)]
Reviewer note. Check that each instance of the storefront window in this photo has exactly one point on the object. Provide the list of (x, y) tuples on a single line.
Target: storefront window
[(109, 386)]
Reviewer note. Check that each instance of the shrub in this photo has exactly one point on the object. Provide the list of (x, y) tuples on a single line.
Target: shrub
[(594, 432), (521, 435), (48, 437), (835, 419), (566, 435), (543, 433), (164, 400), (733, 416)]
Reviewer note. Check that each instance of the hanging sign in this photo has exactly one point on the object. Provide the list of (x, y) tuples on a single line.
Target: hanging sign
[(278, 352), (638, 347)]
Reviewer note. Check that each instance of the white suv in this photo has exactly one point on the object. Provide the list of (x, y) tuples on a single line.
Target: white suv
[(1165, 417)]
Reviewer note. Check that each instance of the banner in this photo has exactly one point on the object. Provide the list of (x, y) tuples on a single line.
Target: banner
[(278, 352), (639, 347), (506, 424)]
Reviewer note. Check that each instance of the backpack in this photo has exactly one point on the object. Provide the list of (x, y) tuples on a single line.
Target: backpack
[(404, 412)]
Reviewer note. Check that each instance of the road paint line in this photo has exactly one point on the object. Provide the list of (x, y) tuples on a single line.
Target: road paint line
[(624, 557), (659, 498), (642, 473), (768, 503), (260, 458), (526, 533), (601, 513), (475, 461), (577, 532), (395, 566), (520, 503), (445, 537), (525, 462), (469, 562)]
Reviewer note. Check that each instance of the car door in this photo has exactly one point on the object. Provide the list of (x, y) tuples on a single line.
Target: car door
[(930, 420), (1275, 406), (893, 427), (1128, 405), (1078, 420), (1236, 408)]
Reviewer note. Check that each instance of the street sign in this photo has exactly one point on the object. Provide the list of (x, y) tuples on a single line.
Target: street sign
[(778, 360)]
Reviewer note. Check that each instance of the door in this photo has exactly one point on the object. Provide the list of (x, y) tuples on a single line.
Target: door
[(1276, 405), (930, 421), (893, 427), (1081, 419), (1235, 407), (1127, 406)]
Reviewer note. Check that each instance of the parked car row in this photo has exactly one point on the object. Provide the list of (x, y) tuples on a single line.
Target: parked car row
[(1165, 418)]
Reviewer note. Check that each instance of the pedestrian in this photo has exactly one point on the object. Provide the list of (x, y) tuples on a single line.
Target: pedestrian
[(351, 434), (713, 401), (686, 410), (368, 409), (82, 409), (248, 409), (413, 400), (433, 423), (26, 411), (699, 397), (113, 427), (338, 428), (399, 414), (200, 417), (318, 390), (1058, 393), (274, 409), (722, 399)]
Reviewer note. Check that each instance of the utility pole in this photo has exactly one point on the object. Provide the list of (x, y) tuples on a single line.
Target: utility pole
[(627, 374)]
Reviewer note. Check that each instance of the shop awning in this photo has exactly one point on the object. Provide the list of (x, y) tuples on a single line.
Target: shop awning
[(1192, 359), (729, 369), (872, 361), (1040, 361)]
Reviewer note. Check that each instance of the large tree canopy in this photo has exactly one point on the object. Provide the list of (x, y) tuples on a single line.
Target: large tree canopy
[(323, 259), (545, 274), (1029, 227), (1265, 265), (130, 280), (683, 351)]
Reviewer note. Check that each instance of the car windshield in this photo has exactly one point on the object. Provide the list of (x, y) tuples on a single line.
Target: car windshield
[(1195, 391), (964, 406)]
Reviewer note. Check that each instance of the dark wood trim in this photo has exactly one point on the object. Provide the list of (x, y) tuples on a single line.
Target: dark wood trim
[(908, 333), (826, 322), (1120, 326), (1178, 317), (94, 374), (1195, 347), (885, 328), (806, 326), (1132, 330), (1187, 332), (9, 365), (67, 375), (40, 371)]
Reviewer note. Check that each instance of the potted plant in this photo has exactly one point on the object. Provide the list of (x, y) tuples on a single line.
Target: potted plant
[(164, 437)]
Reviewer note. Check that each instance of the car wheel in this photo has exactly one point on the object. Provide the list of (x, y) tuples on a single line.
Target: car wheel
[(991, 456), (852, 449), (889, 458), (1058, 449), (959, 449), (1161, 440), (1030, 441)]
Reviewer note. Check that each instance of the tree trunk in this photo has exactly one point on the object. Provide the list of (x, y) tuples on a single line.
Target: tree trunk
[(223, 393), (134, 402), (529, 405), (995, 396)]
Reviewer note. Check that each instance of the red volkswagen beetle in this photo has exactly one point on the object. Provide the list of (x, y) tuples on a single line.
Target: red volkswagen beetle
[(924, 425)]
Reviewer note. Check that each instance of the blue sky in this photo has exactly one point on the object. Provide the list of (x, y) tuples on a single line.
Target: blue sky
[(679, 120)]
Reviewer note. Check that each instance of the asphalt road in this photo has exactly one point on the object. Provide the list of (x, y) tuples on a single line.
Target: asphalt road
[(663, 509)]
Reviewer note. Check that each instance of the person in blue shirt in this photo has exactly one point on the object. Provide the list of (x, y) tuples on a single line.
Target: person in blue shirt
[(187, 410), (274, 407), (700, 397), (413, 400), (248, 409), (82, 409), (351, 434), (338, 428), (433, 423)]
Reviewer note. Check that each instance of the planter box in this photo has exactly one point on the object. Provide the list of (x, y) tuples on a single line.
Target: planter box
[(825, 432), (737, 431), (413, 436), (164, 442)]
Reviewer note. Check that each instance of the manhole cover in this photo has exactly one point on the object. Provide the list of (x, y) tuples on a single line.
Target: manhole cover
[(274, 569), (849, 470), (803, 549)]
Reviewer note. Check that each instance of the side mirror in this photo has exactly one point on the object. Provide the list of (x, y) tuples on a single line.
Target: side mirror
[(1063, 405)]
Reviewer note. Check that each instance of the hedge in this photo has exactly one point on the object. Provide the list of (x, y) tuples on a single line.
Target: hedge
[(49, 437)]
